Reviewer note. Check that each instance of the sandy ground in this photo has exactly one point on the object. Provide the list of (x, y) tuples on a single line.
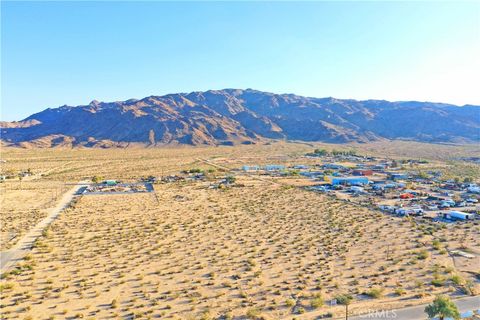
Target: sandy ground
[(266, 249), (259, 249), (23, 205)]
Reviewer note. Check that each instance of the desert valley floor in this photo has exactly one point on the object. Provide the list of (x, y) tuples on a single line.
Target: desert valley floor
[(263, 249)]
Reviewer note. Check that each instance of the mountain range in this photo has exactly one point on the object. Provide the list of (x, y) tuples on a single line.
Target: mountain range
[(236, 116)]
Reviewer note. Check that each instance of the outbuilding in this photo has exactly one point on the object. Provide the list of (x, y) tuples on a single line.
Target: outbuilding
[(458, 215), (110, 182)]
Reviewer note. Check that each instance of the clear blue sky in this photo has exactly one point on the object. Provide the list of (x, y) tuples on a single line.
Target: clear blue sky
[(57, 53)]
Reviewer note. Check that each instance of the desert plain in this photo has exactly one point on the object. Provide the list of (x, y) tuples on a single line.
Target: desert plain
[(265, 248)]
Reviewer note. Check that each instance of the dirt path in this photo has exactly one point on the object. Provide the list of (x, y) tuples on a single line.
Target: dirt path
[(9, 258)]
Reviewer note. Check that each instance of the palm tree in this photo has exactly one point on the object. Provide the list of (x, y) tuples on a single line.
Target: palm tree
[(442, 307)]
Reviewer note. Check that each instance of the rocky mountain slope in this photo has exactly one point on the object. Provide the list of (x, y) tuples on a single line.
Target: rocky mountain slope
[(234, 116)]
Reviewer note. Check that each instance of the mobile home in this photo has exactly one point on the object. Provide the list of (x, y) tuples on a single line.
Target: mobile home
[(458, 215)]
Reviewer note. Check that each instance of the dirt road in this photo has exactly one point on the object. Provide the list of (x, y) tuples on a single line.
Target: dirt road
[(9, 258)]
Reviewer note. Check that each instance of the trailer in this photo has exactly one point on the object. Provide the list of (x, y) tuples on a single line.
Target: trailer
[(458, 215)]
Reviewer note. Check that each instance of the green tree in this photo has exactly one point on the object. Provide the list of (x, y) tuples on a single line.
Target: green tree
[(442, 307), (320, 152)]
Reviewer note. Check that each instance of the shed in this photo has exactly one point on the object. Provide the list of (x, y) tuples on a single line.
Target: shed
[(110, 182)]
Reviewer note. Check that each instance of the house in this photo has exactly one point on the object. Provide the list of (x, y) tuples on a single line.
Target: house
[(250, 168), (172, 178), (362, 172), (356, 189), (447, 203), (353, 181), (387, 208), (300, 167), (473, 189), (274, 167), (412, 211), (379, 167), (318, 188), (391, 186), (333, 166), (311, 174), (458, 215), (397, 176), (379, 186)]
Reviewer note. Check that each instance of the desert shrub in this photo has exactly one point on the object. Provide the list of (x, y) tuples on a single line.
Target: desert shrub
[(469, 288), (253, 313), (374, 293), (316, 302), (457, 279), (206, 316), (400, 291), (300, 310), (290, 302), (422, 255), (343, 299), (438, 281), (6, 286)]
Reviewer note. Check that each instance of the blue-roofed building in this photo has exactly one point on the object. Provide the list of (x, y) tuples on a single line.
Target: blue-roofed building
[(352, 181), (333, 166), (397, 176), (300, 166)]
